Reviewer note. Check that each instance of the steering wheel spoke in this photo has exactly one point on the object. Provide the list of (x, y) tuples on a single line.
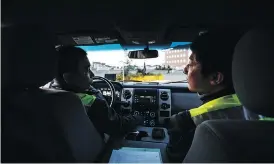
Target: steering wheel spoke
[(112, 90)]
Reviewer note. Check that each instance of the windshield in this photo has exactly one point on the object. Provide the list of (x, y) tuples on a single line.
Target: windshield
[(112, 62)]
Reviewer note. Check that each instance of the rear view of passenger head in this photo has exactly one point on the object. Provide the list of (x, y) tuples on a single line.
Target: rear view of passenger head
[(73, 69), (69, 57)]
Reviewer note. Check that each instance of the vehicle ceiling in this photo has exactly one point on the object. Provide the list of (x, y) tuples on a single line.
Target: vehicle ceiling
[(141, 21)]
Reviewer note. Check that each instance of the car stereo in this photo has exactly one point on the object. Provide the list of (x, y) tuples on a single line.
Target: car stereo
[(145, 99), (145, 103)]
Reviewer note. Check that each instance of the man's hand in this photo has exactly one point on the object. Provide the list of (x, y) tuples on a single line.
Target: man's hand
[(96, 93)]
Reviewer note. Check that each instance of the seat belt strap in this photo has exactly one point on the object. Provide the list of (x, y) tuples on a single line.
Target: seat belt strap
[(224, 102)]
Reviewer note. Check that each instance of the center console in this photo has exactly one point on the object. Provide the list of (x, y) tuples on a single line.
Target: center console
[(141, 138), (149, 134), (154, 105), (145, 103)]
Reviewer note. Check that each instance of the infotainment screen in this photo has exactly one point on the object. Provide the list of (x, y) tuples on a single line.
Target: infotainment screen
[(145, 99)]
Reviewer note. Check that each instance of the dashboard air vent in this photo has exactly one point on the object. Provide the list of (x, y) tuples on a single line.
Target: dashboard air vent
[(127, 94), (164, 96)]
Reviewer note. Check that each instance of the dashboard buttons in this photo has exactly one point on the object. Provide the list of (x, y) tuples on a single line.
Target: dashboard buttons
[(152, 123), (136, 113), (164, 96), (152, 114), (146, 122), (165, 106)]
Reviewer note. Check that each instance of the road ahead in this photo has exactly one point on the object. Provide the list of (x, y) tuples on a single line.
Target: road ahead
[(174, 76)]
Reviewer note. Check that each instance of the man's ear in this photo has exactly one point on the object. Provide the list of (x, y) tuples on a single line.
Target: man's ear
[(216, 78)]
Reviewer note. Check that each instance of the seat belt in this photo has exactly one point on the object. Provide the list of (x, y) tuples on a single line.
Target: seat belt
[(224, 102)]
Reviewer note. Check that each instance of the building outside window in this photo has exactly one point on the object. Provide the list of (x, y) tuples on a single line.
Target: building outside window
[(177, 58)]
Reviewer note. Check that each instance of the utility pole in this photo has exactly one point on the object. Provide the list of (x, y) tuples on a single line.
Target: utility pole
[(124, 60)]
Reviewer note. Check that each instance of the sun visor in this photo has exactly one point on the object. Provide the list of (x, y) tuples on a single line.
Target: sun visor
[(88, 39)]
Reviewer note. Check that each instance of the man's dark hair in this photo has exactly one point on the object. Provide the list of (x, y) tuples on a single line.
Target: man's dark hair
[(69, 57), (214, 51)]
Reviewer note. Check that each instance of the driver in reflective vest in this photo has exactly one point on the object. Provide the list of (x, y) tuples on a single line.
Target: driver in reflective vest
[(74, 75), (209, 74)]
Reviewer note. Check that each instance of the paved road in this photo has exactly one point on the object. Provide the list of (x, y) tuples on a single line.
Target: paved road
[(174, 76)]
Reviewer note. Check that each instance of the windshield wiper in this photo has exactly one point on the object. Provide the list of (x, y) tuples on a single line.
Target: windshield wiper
[(180, 81)]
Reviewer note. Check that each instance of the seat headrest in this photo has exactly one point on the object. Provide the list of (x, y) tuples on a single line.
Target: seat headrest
[(253, 73), (29, 58)]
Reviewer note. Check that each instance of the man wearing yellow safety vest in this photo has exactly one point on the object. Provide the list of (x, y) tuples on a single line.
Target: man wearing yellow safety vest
[(74, 75), (209, 74)]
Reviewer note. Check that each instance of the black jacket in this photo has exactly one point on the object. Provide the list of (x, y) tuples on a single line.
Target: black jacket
[(183, 127), (104, 118)]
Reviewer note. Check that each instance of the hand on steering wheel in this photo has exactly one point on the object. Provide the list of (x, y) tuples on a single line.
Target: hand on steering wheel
[(112, 89)]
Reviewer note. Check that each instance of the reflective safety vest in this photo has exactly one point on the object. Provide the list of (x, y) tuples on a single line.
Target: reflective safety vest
[(266, 118), (224, 102), (86, 99)]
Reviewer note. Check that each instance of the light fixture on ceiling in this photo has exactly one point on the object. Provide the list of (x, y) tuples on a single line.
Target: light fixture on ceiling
[(152, 42), (135, 42)]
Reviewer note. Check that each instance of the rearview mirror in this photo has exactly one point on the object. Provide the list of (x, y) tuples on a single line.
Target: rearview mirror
[(143, 54)]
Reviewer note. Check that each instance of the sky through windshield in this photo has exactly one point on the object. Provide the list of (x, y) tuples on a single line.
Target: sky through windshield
[(111, 59), (114, 55)]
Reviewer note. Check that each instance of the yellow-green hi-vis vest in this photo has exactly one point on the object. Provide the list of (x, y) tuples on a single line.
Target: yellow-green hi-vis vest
[(266, 118), (224, 102), (86, 99)]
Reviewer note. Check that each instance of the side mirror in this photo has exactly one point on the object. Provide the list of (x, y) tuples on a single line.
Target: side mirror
[(143, 54)]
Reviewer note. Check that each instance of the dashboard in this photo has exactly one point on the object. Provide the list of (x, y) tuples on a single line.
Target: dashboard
[(106, 91), (153, 101)]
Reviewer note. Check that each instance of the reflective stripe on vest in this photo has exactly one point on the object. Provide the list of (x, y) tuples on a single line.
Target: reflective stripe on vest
[(86, 98), (263, 118), (224, 102)]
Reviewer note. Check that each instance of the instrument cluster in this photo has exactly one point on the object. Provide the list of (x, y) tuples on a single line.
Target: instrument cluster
[(106, 92)]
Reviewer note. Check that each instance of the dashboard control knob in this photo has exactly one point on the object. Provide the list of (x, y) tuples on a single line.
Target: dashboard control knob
[(126, 104), (164, 96), (165, 106), (152, 114), (152, 123), (136, 113), (127, 94)]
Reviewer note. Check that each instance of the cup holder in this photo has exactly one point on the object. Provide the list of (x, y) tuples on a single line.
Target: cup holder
[(136, 136)]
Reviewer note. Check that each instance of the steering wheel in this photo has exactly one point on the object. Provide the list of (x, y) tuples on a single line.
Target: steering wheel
[(112, 89)]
